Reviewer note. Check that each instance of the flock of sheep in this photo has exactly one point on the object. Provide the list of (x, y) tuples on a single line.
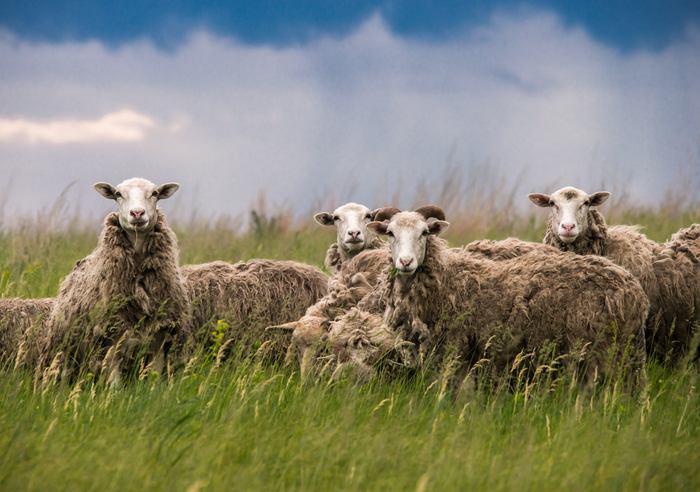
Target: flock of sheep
[(593, 299)]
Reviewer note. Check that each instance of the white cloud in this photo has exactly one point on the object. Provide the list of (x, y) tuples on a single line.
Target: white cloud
[(357, 115), (120, 126)]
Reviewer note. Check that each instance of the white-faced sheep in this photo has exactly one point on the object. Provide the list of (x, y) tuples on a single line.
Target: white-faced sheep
[(586, 313), (358, 267), (21, 323), (126, 303), (668, 272), (353, 237), (251, 296)]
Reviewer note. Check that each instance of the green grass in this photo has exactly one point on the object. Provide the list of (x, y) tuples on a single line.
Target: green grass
[(247, 425)]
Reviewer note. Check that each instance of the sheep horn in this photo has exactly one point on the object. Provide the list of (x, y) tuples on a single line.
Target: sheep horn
[(431, 211), (385, 213)]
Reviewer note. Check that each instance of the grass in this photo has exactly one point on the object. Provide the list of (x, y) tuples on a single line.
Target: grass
[(249, 425)]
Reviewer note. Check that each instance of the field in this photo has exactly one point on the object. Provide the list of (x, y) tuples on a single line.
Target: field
[(249, 425)]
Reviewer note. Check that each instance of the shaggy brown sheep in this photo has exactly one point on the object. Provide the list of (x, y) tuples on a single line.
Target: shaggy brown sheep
[(250, 296), (584, 313), (669, 273), (125, 304), (21, 321)]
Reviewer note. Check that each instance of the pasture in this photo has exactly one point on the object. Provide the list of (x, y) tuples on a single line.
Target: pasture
[(248, 425)]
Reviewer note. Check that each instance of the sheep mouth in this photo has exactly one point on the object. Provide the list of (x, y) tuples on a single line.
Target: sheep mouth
[(354, 241), (139, 223), (568, 238)]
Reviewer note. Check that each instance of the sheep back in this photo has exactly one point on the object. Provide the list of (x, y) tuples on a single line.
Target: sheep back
[(21, 323), (677, 270), (251, 296)]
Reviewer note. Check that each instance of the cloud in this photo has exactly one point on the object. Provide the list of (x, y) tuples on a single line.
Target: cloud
[(358, 116), (120, 126)]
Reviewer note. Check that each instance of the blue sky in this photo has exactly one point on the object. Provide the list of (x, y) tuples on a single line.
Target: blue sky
[(313, 102), (627, 24)]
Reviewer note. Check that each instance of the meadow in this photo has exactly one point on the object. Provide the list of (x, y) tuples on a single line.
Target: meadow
[(247, 424)]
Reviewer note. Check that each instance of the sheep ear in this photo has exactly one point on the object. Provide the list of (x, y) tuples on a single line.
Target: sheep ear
[(167, 190), (106, 190), (438, 227), (378, 227), (539, 199), (324, 218), (598, 198)]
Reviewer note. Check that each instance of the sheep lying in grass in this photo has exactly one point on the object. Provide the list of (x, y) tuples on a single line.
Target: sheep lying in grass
[(355, 276), (21, 321), (353, 237), (584, 313), (669, 272), (126, 303), (250, 296)]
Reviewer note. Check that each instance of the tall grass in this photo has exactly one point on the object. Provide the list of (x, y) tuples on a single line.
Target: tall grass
[(249, 425)]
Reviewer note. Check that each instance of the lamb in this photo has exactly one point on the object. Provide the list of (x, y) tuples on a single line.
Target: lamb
[(353, 237), (250, 296), (667, 272), (21, 321), (585, 313), (126, 303)]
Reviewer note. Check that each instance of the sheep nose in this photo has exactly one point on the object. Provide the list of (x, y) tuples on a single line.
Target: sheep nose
[(405, 263), (137, 213), (568, 227), (354, 234)]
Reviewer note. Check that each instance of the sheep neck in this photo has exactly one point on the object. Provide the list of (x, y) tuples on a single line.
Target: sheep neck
[(138, 241)]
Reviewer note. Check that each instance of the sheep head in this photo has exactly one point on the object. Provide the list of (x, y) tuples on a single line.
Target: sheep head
[(350, 223), (569, 208), (408, 234), (137, 199)]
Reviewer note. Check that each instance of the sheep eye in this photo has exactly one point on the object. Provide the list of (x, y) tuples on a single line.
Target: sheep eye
[(368, 216), (551, 203), (425, 233), (117, 193), (390, 234), (335, 217), (155, 193), (586, 203)]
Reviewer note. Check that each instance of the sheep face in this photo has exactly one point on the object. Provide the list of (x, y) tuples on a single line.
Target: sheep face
[(569, 209), (350, 222), (137, 199), (408, 236)]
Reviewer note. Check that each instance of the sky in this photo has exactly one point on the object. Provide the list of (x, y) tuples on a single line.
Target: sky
[(315, 102)]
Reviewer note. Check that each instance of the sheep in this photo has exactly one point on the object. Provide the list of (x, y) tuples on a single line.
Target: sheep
[(585, 311), (668, 272), (353, 237), (354, 277), (21, 320), (250, 296), (126, 303)]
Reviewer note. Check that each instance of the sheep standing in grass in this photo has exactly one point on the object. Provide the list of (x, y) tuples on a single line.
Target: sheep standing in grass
[(21, 322), (669, 272), (126, 302), (353, 237), (251, 296), (586, 313)]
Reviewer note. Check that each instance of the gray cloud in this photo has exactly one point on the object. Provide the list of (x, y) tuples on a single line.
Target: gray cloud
[(358, 115)]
